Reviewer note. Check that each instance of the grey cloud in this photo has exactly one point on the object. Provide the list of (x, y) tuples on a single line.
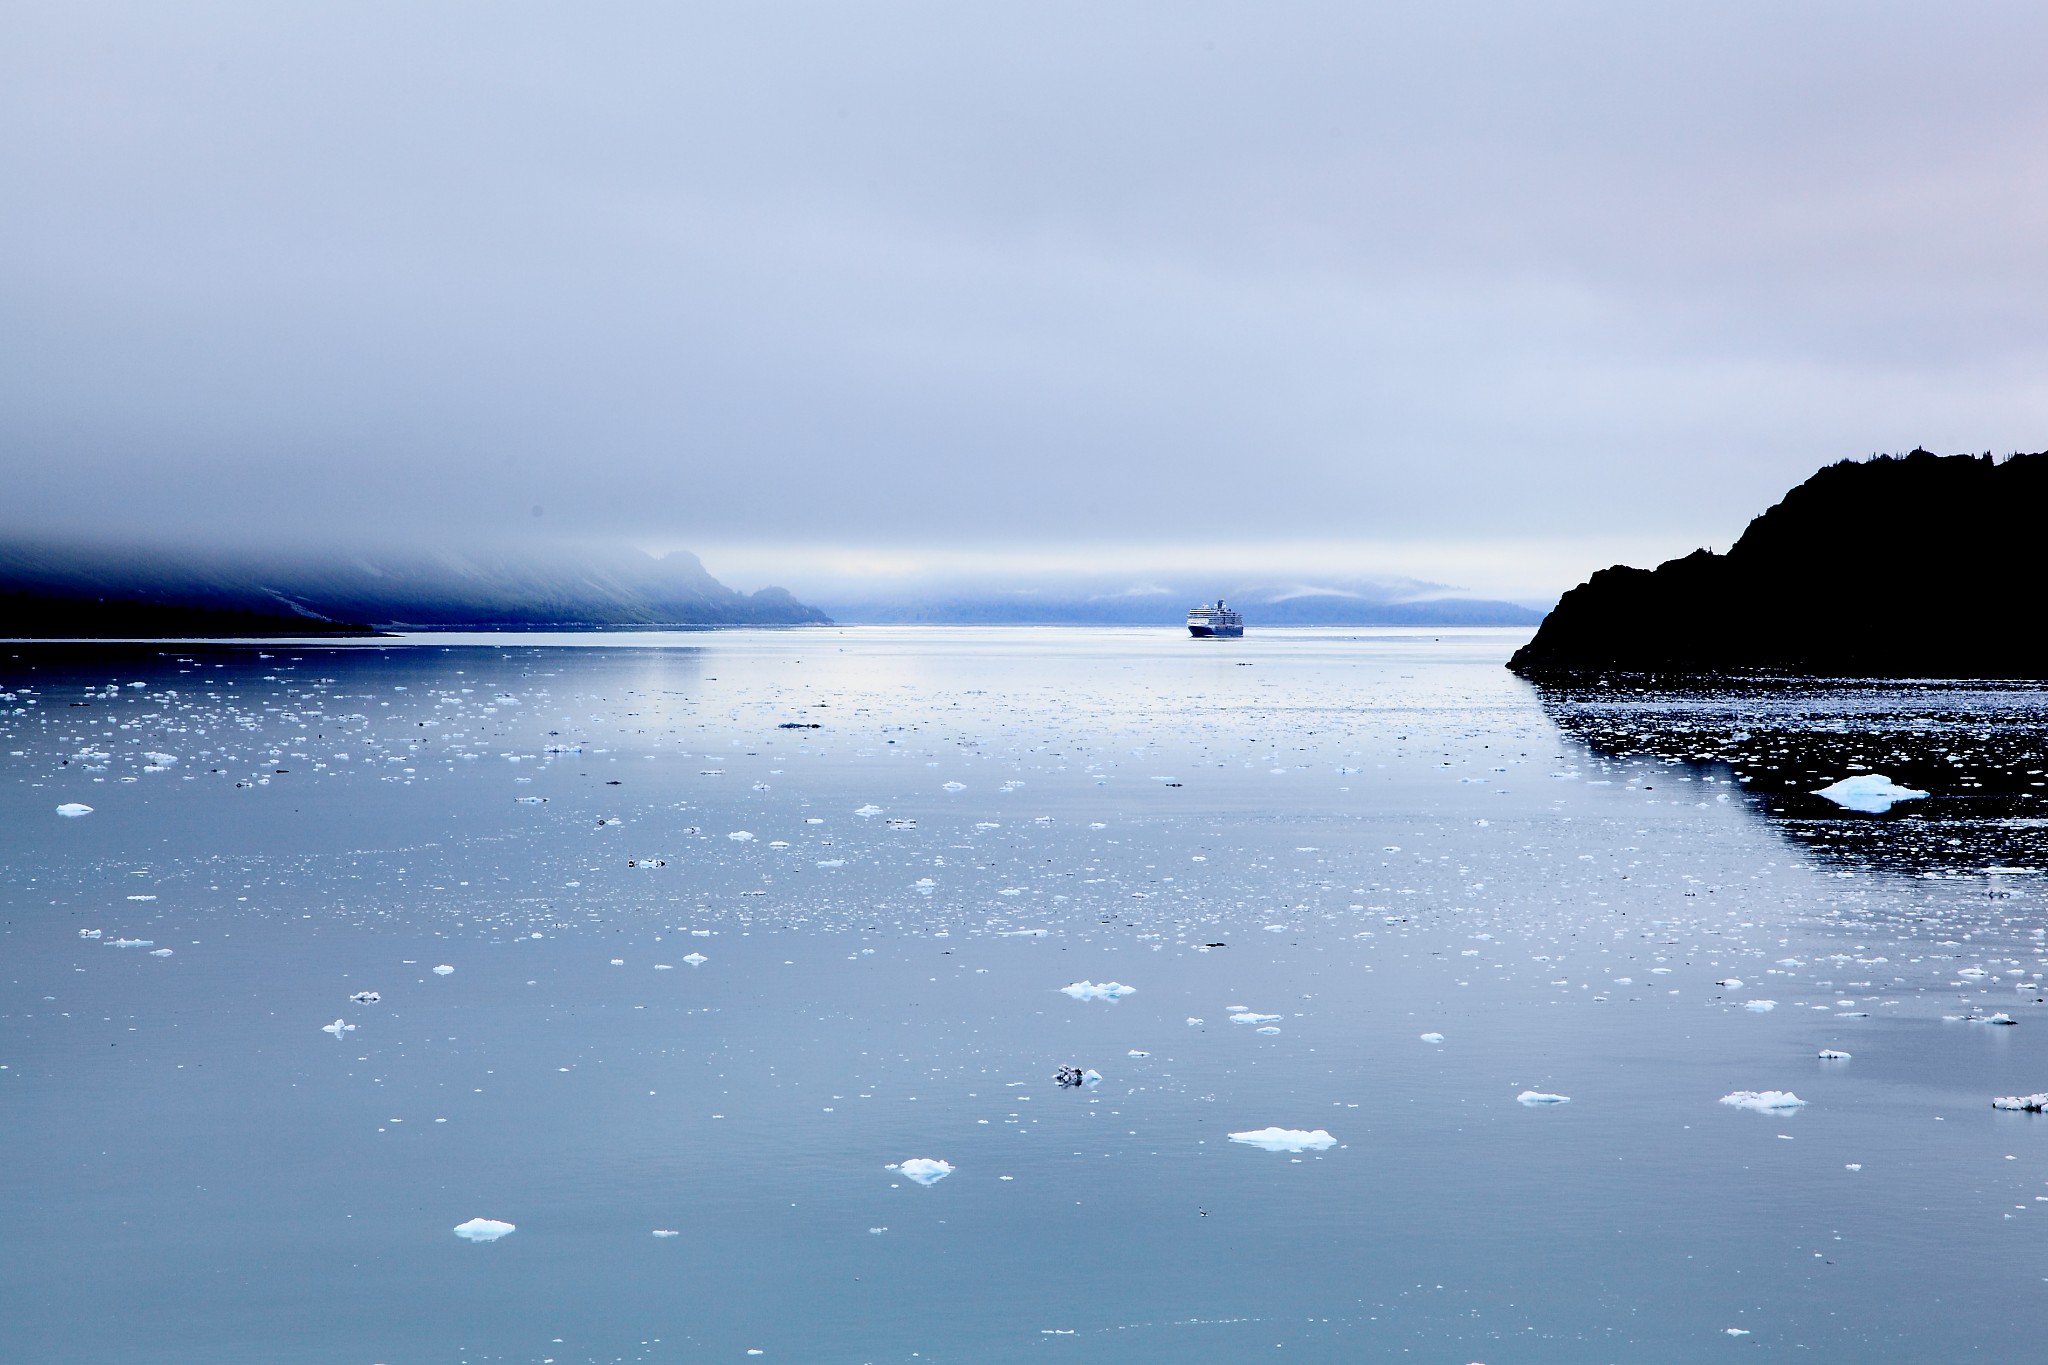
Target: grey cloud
[(910, 274)]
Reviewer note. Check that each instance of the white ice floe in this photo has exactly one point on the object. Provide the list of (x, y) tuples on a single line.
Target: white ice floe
[(1192, 1020), (89, 933), (130, 942), (1872, 793), (1134, 1052), (161, 952), (1532, 1098), (2024, 1104), (483, 1230), (1252, 1017), (1760, 1006), (1286, 1139), (337, 1028), (530, 800), (646, 862), (741, 836), (1828, 1054), (869, 810), (72, 810), (443, 970), (666, 1232), (1432, 1037), (956, 786), (1763, 1101), (696, 959), (365, 997), (1733, 983), (1088, 990), (1270, 1028), (925, 1170)]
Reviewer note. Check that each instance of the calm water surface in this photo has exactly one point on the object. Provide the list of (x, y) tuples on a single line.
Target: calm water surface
[(718, 977)]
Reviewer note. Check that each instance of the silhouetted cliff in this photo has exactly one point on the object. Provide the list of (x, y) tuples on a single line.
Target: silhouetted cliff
[(100, 592), (1910, 566)]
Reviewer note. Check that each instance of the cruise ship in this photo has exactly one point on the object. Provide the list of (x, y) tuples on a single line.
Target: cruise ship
[(1217, 622)]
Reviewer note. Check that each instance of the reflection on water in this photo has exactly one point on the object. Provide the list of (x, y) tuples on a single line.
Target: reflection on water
[(550, 1000), (1979, 752)]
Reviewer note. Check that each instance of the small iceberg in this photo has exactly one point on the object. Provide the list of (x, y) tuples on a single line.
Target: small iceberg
[(1432, 1037), (925, 1170), (89, 933), (483, 1230), (1760, 1006), (666, 1232), (337, 1028), (365, 997), (444, 970), (1533, 1098), (696, 959), (956, 786), (1286, 1139), (1872, 793), (741, 836), (1252, 1017), (2022, 1104), (869, 809), (1088, 990), (1828, 1054), (71, 810), (1763, 1101)]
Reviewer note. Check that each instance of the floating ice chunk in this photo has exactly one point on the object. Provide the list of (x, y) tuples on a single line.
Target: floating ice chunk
[(646, 862), (1432, 1037), (740, 836), (1733, 983), (1249, 1017), (832, 862), (666, 1232), (1532, 1098), (1736, 1331), (924, 1170), (89, 933), (1828, 1054), (1286, 1139), (1088, 990), (1270, 1028), (337, 1028), (869, 810), (696, 959), (2024, 1104), (161, 760), (1135, 1053), (1760, 1006), (161, 952), (444, 970), (483, 1230), (365, 997), (1872, 793), (956, 786), (71, 810), (1763, 1101), (1192, 1020), (530, 800), (130, 943), (618, 962)]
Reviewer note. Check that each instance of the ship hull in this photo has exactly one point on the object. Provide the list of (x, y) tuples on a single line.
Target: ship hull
[(1217, 632)]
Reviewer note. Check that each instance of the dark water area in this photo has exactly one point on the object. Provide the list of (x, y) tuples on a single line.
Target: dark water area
[(728, 981)]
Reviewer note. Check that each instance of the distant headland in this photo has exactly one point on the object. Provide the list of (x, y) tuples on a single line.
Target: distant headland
[(101, 592), (1917, 565)]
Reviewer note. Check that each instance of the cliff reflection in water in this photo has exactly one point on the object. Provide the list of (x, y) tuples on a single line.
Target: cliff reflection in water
[(1979, 751)]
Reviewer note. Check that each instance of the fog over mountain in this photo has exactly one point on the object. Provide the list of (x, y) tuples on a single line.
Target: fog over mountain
[(72, 589), (908, 278)]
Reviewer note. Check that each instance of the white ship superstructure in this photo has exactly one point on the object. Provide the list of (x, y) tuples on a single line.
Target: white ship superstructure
[(1218, 622)]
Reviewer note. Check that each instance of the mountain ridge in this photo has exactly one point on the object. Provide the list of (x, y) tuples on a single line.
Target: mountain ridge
[(1915, 565)]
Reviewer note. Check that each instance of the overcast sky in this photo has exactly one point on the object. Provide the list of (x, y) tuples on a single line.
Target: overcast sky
[(1484, 294)]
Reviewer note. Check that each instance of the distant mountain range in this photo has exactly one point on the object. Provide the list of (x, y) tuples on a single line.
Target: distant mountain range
[(1910, 566), (52, 591), (1161, 607)]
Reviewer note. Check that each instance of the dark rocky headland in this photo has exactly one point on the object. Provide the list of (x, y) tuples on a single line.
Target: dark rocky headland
[(1917, 565)]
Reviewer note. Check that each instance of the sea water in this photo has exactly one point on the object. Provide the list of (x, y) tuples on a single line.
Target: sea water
[(721, 981)]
